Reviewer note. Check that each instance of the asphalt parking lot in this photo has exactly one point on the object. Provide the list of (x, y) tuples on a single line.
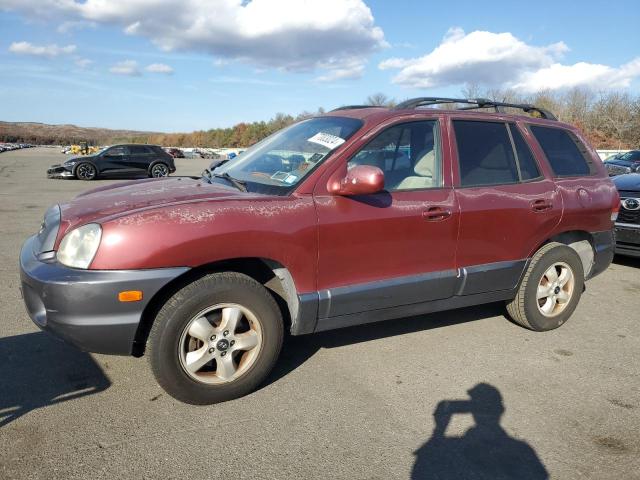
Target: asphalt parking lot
[(353, 403)]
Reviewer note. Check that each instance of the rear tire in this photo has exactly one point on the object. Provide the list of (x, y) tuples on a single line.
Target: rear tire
[(199, 343), (159, 170), (550, 289)]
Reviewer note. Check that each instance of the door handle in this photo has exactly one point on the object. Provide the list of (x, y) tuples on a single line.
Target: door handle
[(436, 214), (541, 205)]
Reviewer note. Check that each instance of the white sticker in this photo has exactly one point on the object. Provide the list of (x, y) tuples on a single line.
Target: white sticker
[(327, 140), (290, 179)]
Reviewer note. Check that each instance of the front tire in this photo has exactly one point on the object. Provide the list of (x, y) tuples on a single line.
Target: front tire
[(550, 290), (215, 339), (86, 171)]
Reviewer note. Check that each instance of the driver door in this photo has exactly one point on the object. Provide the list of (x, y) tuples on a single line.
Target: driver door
[(115, 160), (396, 247)]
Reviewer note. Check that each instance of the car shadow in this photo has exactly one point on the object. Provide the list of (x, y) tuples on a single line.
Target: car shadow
[(298, 349), (37, 370), (484, 452)]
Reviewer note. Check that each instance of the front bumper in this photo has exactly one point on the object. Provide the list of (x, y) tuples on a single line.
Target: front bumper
[(81, 306), (59, 171), (628, 239)]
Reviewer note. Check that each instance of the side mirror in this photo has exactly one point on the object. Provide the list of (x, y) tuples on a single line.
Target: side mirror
[(360, 180)]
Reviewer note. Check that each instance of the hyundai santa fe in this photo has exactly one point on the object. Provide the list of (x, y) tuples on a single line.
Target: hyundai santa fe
[(359, 215)]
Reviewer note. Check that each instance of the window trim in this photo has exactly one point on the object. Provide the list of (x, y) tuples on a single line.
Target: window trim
[(588, 160), (506, 124), (438, 142), (533, 155)]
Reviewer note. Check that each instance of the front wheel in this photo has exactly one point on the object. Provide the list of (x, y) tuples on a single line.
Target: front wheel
[(86, 171), (215, 339), (550, 290)]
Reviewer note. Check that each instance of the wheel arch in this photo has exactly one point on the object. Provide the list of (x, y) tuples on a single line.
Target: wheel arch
[(274, 276), (157, 161), (581, 241)]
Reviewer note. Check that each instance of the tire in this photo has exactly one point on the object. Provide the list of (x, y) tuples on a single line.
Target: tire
[(86, 171), (557, 300), (159, 170), (171, 345)]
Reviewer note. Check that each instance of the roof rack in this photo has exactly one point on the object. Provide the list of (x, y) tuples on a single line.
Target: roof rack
[(354, 107), (474, 103)]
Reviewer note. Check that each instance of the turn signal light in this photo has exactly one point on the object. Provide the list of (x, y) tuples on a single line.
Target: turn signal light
[(130, 296)]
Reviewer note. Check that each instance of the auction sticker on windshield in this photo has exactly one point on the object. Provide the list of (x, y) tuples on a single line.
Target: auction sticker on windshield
[(327, 140)]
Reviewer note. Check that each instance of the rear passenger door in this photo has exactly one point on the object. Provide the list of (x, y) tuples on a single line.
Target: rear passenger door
[(507, 205), (140, 157)]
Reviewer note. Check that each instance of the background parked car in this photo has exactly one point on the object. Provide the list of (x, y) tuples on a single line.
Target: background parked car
[(175, 152), (628, 221), (623, 163), (118, 160)]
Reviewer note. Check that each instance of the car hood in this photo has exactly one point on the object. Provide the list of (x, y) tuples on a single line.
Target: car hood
[(83, 157), (628, 182), (113, 201)]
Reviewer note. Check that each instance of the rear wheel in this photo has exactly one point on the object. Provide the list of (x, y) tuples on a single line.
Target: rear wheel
[(216, 339), (86, 171), (550, 290), (159, 170)]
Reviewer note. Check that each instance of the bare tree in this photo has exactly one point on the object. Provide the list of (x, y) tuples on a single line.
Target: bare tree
[(380, 100)]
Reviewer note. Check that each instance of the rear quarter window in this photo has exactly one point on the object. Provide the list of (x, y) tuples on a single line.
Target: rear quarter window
[(566, 154)]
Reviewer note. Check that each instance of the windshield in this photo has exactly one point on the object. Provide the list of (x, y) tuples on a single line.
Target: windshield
[(279, 162)]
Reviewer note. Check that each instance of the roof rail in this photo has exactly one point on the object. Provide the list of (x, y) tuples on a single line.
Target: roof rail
[(354, 107), (474, 103)]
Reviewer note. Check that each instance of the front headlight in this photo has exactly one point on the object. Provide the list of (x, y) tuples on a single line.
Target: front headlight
[(79, 246)]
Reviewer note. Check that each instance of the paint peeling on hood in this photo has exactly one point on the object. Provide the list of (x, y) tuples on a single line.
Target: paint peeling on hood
[(130, 198)]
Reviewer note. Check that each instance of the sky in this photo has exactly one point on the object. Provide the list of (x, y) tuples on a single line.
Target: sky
[(183, 65)]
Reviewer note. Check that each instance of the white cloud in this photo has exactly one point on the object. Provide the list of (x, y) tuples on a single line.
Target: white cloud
[(501, 59), (159, 68), (292, 35), (83, 62), (49, 51), (126, 67)]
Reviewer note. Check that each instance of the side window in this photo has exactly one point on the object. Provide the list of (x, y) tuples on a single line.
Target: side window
[(408, 154), (485, 153), (566, 154), (138, 150), (116, 151), (527, 164)]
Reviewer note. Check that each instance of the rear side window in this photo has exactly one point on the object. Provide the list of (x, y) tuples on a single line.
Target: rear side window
[(485, 153), (567, 156), (528, 167), (138, 150)]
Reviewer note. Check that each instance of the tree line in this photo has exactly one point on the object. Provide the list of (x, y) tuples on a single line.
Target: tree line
[(609, 119)]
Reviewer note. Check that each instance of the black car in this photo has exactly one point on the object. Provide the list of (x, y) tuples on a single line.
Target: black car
[(628, 222), (628, 162), (118, 160)]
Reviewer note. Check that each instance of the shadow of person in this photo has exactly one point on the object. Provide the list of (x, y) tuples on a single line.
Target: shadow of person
[(37, 370), (485, 451)]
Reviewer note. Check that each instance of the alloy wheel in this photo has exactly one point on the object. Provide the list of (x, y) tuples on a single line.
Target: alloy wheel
[(220, 343), (159, 170), (555, 289), (86, 171)]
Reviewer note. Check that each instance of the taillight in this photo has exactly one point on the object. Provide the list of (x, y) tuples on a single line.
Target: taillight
[(615, 209)]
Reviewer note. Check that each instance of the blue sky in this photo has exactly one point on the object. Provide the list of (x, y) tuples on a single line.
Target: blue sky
[(178, 65)]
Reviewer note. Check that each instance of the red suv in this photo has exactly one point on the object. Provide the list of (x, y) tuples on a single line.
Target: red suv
[(359, 215)]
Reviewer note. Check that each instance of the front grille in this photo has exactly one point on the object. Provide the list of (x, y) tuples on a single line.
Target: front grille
[(628, 216)]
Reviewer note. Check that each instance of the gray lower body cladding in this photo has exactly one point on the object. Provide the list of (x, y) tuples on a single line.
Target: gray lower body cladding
[(82, 306)]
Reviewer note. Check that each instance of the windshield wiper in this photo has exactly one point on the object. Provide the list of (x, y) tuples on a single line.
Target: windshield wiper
[(239, 184)]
